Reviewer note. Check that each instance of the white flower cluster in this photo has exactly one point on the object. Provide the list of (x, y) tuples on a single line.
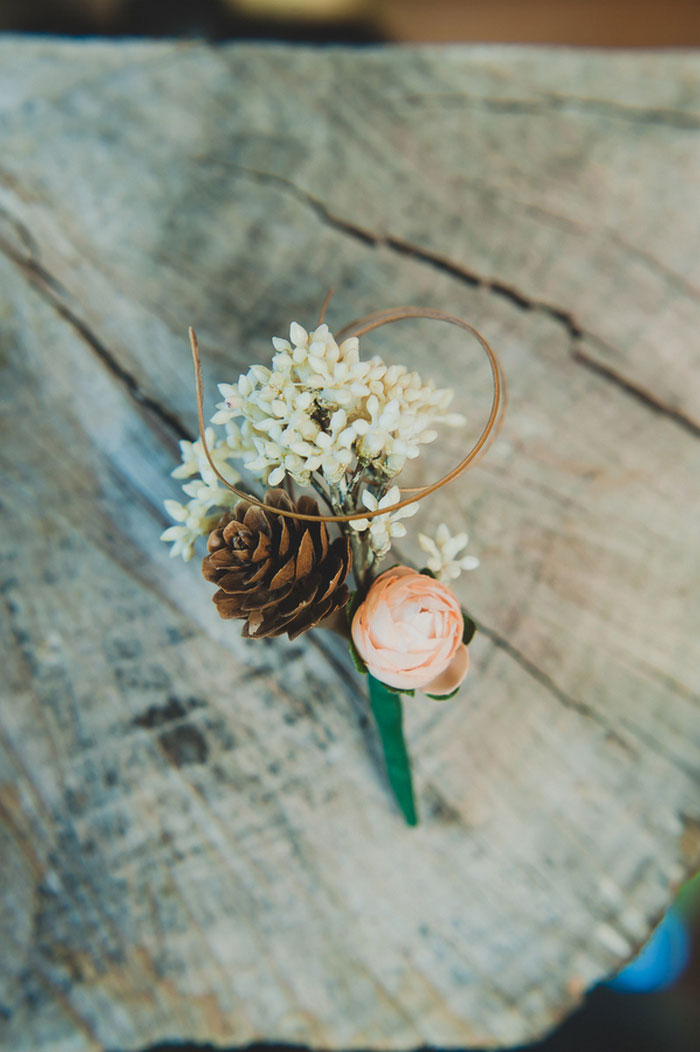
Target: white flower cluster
[(383, 528), (320, 408), (197, 517), (443, 552)]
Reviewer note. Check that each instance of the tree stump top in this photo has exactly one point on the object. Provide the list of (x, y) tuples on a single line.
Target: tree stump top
[(196, 837)]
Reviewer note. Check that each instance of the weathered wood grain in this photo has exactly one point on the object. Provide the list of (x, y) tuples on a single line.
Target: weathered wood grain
[(196, 839)]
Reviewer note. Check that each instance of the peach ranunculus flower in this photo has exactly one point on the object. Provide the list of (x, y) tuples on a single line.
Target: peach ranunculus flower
[(408, 631)]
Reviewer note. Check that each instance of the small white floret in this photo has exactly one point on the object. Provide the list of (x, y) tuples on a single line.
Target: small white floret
[(443, 551)]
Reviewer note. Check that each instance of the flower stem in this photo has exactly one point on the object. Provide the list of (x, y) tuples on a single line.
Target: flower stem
[(322, 492), (388, 714)]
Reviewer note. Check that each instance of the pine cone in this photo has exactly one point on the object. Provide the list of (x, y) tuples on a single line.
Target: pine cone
[(280, 574)]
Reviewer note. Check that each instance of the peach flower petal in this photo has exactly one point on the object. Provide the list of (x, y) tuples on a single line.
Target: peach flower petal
[(453, 676), (409, 631)]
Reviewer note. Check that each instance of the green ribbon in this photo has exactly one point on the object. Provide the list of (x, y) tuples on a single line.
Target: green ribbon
[(388, 714)]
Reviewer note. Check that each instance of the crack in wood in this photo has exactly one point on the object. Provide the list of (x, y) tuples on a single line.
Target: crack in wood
[(357, 698), (612, 734), (672, 278), (546, 681), (423, 255), (640, 394), (553, 102), (518, 299), (54, 294), (51, 290)]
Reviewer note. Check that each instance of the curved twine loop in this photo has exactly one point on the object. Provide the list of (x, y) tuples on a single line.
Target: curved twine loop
[(361, 327)]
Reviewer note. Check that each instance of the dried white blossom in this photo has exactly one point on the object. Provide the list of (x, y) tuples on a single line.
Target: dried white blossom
[(321, 409), (383, 528), (194, 459), (193, 521), (443, 552), (208, 497)]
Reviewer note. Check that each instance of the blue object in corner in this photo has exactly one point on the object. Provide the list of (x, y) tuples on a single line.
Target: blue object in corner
[(661, 962)]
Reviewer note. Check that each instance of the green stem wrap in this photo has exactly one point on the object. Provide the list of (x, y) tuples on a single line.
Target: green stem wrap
[(388, 714)]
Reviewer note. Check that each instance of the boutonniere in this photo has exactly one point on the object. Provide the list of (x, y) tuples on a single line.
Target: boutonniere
[(294, 486)]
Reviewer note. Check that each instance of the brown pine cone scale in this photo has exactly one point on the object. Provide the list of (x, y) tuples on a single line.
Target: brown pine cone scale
[(281, 575)]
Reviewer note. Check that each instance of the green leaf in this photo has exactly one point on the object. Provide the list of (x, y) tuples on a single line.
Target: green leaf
[(388, 714), (469, 628), (356, 659), (351, 606), (428, 573), (395, 690), (443, 697)]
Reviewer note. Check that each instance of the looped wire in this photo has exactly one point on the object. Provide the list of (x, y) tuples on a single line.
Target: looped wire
[(361, 327)]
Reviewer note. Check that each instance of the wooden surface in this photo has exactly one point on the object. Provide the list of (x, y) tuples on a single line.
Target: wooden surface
[(197, 840)]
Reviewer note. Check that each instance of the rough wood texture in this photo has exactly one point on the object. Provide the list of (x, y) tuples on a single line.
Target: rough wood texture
[(196, 838)]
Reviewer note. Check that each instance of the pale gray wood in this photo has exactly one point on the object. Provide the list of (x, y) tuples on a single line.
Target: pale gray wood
[(196, 839)]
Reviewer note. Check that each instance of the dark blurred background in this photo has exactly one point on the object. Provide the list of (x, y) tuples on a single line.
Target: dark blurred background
[(605, 23), (654, 1005)]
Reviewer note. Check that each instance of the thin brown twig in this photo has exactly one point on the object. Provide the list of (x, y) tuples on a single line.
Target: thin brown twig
[(324, 305)]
